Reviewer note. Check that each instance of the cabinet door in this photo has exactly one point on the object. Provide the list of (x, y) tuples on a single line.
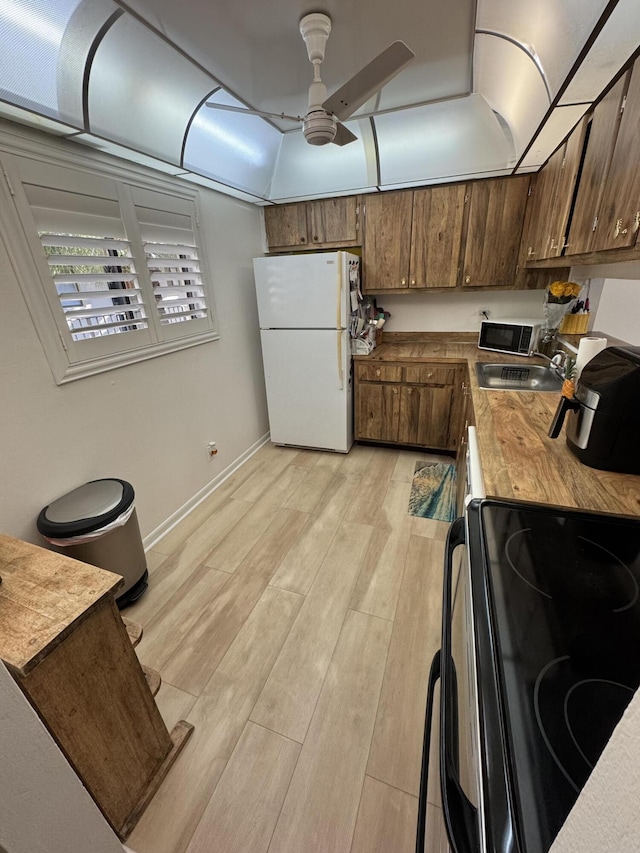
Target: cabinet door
[(425, 414), (377, 411), (619, 211), (436, 236), (333, 222), (496, 215), (544, 189), (387, 241), (599, 149), (286, 225), (565, 189)]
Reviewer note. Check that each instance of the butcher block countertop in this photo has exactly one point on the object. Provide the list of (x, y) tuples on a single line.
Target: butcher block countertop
[(518, 458)]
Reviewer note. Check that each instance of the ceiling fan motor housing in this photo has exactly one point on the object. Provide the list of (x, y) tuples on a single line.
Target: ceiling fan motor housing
[(319, 127)]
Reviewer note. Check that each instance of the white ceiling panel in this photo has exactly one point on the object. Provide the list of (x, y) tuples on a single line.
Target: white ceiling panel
[(619, 38), (237, 149), (559, 124), (441, 142), (31, 36), (142, 93), (158, 60), (256, 51), (305, 170), (554, 31), (511, 83), (126, 153)]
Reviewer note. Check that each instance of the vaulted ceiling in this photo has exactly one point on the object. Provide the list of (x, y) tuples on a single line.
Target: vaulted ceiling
[(494, 87)]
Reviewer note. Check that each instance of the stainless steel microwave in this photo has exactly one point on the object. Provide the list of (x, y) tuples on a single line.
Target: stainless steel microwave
[(514, 336)]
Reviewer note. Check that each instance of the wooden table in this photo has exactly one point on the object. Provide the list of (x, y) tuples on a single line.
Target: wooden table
[(64, 642)]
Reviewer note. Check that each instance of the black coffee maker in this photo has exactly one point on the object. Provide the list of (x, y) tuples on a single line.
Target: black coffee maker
[(603, 424)]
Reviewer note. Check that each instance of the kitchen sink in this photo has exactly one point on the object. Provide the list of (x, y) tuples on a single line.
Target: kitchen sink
[(517, 377)]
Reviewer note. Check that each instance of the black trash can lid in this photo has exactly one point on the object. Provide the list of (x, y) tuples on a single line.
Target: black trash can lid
[(86, 509)]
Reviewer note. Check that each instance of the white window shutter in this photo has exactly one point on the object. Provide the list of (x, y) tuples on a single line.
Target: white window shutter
[(93, 287), (120, 265), (168, 231)]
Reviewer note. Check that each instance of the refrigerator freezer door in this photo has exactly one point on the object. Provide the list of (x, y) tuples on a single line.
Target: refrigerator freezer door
[(309, 387), (303, 291)]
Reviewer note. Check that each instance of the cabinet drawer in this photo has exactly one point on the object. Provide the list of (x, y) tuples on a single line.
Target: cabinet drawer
[(429, 374), (379, 372)]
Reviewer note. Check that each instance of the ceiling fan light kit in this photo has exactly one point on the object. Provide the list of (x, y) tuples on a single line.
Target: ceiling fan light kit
[(323, 120)]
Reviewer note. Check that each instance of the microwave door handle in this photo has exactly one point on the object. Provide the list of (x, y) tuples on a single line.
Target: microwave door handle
[(434, 675), (459, 813)]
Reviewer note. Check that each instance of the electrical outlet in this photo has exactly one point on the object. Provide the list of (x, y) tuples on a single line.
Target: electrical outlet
[(211, 448)]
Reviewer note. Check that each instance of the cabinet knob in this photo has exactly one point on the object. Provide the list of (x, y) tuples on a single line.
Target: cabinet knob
[(315, 238), (395, 390), (404, 281), (467, 279), (303, 239), (429, 375), (378, 372), (413, 281)]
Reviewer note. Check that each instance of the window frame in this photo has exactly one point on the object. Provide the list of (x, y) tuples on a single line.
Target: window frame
[(32, 270)]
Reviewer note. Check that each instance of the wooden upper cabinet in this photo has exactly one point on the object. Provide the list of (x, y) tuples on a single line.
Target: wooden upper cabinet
[(387, 240), (494, 231), (544, 190), (286, 225), (436, 236), (601, 140), (565, 188), (326, 223), (619, 210), (550, 199), (333, 221)]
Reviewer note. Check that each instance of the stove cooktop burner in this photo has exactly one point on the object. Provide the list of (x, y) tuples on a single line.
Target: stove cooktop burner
[(594, 562), (565, 601), (598, 695)]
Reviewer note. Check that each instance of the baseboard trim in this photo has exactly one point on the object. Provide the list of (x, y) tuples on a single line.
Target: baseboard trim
[(156, 535)]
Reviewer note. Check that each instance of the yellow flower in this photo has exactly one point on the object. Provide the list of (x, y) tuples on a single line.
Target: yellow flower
[(557, 288)]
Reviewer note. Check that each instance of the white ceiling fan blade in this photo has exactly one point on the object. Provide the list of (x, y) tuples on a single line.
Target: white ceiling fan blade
[(249, 112), (369, 80), (343, 135)]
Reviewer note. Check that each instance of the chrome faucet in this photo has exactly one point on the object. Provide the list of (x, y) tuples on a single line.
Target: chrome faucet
[(558, 361)]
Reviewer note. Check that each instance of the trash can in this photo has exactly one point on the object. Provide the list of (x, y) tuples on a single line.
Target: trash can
[(97, 524)]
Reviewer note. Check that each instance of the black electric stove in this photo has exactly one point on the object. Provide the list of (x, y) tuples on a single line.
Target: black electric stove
[(556, 597)]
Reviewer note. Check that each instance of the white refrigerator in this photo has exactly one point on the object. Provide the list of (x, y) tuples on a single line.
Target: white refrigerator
[(304, 305)]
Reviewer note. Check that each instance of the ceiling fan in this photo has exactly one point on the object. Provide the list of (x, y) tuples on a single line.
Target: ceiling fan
[(323, 120)]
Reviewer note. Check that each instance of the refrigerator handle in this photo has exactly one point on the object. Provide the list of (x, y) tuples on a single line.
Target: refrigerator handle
[(339, 289), (340, 370)]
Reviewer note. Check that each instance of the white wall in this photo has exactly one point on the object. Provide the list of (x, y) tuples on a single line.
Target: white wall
[(148, 423), (456, 312), (618, 313), (44, 808)]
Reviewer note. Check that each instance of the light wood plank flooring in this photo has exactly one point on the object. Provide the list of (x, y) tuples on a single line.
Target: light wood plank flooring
[(293, 617)]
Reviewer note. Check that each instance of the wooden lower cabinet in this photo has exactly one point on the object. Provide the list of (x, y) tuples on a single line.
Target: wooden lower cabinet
[(425, 414), (412, 404), (377, 412)]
